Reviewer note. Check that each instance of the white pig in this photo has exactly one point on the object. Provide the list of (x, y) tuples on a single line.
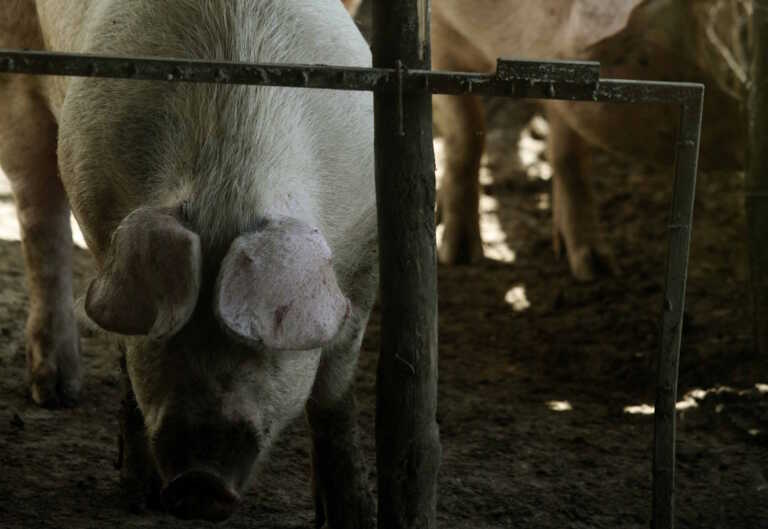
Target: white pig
[(233, 229), (666, 40)]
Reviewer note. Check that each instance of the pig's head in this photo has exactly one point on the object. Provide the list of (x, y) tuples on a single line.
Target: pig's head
[(218, 365)]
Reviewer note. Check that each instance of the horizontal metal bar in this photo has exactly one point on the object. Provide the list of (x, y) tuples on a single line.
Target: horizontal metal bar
[(585, 72), (351, 78), (627, 91)]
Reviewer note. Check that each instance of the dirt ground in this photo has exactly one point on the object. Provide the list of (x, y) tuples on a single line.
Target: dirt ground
[(538, 376)]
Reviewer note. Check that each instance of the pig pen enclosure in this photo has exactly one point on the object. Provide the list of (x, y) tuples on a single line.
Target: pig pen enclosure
[(546, 385)]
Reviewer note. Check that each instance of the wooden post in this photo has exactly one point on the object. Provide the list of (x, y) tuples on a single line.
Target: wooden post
[(757, 177), (407, 438)]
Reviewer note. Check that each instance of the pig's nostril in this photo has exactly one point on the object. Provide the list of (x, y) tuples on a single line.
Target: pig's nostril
[(198, 494)]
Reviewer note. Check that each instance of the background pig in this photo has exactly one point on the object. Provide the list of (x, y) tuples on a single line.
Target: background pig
[(655, 39), (352, 5), (638, 39), (235, 241), (652, 39)]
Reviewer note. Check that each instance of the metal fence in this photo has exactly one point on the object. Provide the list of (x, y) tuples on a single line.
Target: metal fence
[(403, 83)]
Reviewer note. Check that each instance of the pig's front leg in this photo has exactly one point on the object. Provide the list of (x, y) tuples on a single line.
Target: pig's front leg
[(28, 157), (339, 473), (461, 121), (139, 479), (573, 205)]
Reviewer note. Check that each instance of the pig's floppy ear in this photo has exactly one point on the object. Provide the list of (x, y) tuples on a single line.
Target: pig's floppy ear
[(276, 288), (150, 279)]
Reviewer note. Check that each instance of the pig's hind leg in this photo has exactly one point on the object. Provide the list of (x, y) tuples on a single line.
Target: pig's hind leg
[(575, 221), (461, 120), (28, 157)]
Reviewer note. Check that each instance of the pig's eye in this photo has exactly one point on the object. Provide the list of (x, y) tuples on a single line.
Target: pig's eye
[(185, 212)]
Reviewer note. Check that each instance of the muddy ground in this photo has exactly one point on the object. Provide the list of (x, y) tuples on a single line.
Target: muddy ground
[(537, 375)]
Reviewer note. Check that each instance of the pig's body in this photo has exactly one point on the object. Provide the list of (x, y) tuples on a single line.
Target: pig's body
[(183, 130), (212, 212), (638, 39)]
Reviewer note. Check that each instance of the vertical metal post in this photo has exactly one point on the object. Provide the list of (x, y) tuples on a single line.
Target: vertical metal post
[(756, 200), (686, 166), (407, 438)]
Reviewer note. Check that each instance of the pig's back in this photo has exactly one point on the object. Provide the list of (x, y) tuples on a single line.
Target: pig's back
[(526, 29), (233, 153)]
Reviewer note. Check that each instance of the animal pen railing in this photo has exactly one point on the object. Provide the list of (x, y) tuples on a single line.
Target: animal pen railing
[(407, 439)]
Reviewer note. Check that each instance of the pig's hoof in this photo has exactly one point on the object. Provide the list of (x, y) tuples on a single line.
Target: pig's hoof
[(357, 523), (57, 385), (590, 262), (50, 389), (460, 247), (142, 498)]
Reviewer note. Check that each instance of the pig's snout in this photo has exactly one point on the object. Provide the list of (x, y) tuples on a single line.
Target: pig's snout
[(199, 494), (204, 466)]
